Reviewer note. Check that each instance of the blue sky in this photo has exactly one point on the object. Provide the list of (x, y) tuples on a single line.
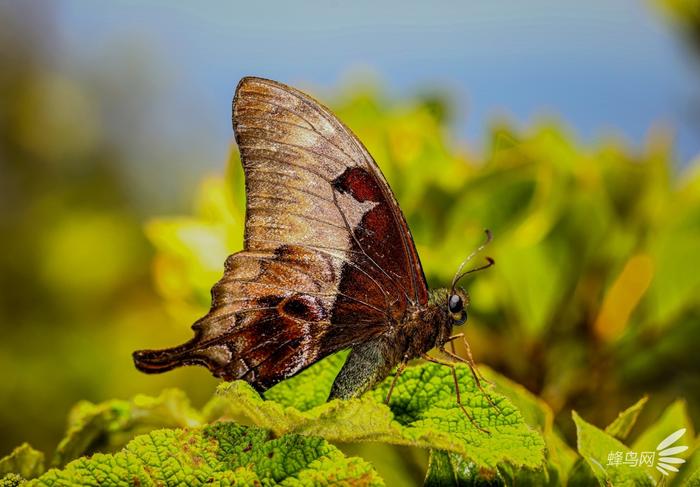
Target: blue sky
[(598, 65)]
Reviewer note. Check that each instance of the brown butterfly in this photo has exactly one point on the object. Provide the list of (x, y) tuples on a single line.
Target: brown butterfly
[(328, 261)]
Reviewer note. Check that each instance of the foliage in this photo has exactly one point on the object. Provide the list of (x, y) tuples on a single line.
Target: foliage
[(24, 461), (105, 426), (287, 445), (224, 454), (422, 413), (594, 445)]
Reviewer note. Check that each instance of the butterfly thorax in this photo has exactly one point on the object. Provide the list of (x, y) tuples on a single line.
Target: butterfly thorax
[(431, 325), (423, 328)]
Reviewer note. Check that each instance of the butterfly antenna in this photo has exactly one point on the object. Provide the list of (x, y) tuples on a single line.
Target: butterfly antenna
[(459, 274)]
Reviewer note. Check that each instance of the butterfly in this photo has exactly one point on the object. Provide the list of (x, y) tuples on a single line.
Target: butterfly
[(328, 262)]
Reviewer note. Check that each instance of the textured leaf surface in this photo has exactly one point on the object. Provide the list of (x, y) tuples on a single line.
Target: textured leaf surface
[(109, 425), (24, 461), (451, 469), (221, 454), (423, 412), (12, 480), (596, 445), (538, 415)]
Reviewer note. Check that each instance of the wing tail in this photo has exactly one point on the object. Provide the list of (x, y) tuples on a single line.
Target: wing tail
[(157, 361)]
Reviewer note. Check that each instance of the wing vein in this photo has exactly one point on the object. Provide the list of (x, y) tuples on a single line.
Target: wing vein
[(328, 117), (310, 293), (276, 141), (325, 249), (300, 215), (371, 260)]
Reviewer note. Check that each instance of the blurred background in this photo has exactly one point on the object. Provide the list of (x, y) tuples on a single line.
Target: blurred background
[(572, 132)]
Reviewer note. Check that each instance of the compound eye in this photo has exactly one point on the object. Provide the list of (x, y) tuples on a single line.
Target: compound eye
[(455, 304)]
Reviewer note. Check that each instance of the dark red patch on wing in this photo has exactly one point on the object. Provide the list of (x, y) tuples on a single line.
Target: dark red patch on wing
[(380, 271), (383, 237), (360, 184)]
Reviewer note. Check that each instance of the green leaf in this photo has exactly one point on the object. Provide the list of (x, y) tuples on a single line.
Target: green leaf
[(221, 454), (303, 392), (675, 283), (581, 474), (423, 412), (538, 415), (109, 425), (450, 469), (441, 472), (596, 447), (424, 404), (24, 461), (534, 410), (622, 425)]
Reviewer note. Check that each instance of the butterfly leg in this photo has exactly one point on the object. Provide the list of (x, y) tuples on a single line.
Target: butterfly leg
[(399, 371), (470, 357), (478, 378), (457, 392)]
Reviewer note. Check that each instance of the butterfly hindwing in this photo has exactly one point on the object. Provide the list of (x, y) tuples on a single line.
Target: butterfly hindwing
[(328, 260)]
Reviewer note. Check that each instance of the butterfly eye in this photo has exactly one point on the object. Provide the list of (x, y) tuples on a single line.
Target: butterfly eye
[(462, 318), (455, 304)]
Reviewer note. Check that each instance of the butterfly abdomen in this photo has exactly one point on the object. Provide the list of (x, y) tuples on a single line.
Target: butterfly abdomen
[(371, 361)]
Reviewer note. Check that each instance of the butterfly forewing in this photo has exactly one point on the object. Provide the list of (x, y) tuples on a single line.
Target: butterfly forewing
[(328, 260)]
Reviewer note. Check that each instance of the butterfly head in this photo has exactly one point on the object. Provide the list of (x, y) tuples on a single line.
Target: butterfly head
[(457, 298), (457, 302)]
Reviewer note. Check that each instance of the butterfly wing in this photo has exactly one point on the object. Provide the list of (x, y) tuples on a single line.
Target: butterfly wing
[(328, 259)]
